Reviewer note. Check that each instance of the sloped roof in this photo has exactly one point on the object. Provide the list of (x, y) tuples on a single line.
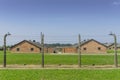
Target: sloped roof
[(108, 44), (85, 42), (37, 44), (112, 44)]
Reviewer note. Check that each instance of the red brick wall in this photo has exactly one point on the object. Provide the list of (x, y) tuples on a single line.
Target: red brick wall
[(69, 50), (93, 47), (25, 47), (50, 50)]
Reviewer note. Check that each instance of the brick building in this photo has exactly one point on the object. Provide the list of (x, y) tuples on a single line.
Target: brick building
[(90, 46), (93, 46), (69, 49), (112, 46), (26, 47)]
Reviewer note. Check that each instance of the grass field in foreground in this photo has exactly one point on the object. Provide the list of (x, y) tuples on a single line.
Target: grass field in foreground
[(35, 59), (57, 74)]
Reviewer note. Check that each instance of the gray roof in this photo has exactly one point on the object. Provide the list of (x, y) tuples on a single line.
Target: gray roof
[(108, 44), (37, 44), (112, 44), (87, 41)]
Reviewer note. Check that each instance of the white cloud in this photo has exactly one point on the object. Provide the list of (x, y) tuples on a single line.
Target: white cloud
[(117, 3)]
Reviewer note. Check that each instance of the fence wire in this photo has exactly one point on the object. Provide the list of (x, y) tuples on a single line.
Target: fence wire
[(60, 58)]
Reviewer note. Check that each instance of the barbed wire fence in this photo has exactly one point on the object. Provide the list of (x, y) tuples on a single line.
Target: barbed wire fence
[(70, 40)]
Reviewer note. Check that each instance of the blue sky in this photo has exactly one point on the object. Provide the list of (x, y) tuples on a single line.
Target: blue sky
[(59, 17)]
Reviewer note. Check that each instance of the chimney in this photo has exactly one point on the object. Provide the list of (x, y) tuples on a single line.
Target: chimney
[(34, 41)]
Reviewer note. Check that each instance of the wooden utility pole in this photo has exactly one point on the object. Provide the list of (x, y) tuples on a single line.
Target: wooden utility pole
[(79, 50), (42, 50)]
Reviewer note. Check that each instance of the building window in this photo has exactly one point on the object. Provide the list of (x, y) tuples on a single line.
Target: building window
[(18, 49), (99, 48), (32, 49), (109, 48), (85, 48)]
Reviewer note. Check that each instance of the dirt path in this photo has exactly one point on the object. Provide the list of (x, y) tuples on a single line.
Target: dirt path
[(58, 67)]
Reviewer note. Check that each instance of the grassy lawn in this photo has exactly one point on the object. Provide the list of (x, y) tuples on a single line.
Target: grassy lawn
[(59, 74), (56, 59)]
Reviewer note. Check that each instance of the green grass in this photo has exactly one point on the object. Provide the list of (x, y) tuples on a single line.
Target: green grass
[(112, 51), (35, 59), (57, 74)]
